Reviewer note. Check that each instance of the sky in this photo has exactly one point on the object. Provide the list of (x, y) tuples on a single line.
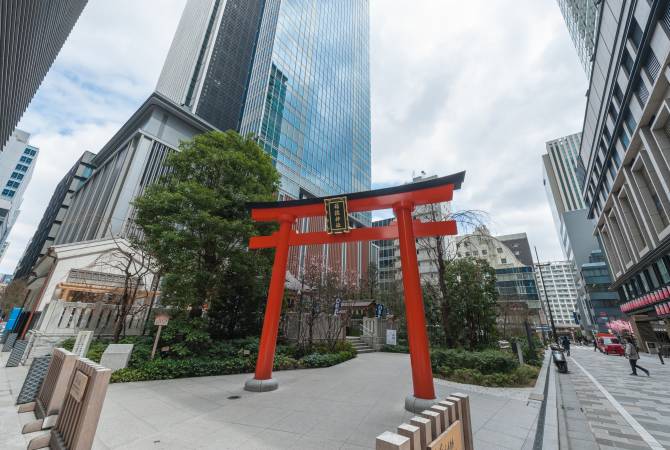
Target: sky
[(478, 86)]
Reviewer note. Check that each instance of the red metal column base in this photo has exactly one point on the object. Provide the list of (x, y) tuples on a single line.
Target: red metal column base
[(422, 372)]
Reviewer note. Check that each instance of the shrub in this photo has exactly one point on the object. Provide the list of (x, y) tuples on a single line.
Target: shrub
[(519, 377), (395, 348), (486, 362), (325, 360)]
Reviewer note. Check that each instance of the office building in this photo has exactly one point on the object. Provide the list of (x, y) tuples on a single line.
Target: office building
[(32, 33), (557, 288), (294, 73), (17, 163), (562, 172), (625, 149), (581, 18), (510, 257), (53, 217), (130, 161)]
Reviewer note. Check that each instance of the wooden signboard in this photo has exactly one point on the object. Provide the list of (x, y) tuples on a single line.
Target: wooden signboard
[(337, 215), (78, 387), (451, 439), (161, 320)]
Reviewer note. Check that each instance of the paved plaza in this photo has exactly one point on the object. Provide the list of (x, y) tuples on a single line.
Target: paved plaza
[(342, 407), (592, 421)]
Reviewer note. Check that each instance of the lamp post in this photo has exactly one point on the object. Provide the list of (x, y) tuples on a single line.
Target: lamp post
[(546, 297)]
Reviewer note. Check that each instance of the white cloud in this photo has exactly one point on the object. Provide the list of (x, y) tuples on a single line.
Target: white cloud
[(106, 69), (476, 86)]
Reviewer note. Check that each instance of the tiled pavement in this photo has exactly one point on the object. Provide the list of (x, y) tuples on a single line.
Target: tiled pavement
[(342, 407), (586, 409)]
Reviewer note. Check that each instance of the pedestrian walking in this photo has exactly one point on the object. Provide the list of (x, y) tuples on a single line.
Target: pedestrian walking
[(566, 345), (595, 344), (632, 355)]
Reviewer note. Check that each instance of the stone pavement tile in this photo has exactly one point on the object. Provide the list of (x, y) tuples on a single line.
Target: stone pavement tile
[(501, 439), (309, 443), (622, 445)]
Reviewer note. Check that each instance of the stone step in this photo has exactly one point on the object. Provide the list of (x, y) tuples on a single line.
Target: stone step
[(367, 350)]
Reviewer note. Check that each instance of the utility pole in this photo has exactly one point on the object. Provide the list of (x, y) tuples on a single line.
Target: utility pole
[(546, 297)]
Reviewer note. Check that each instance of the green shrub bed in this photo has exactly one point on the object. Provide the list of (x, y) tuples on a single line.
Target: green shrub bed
[(484, 368), (221, 358)]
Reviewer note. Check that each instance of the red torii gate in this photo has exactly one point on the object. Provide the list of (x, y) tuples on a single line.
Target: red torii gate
[(403, 200)]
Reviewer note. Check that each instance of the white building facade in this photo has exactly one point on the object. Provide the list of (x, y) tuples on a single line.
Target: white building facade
[(17, 163), (557, 286)]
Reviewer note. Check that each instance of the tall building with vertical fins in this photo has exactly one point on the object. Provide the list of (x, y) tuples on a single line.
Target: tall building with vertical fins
[(562, 178), (32, 33), (581, 18), (295, 73)]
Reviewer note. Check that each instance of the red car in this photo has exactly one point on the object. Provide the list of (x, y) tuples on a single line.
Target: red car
[(609, 344)]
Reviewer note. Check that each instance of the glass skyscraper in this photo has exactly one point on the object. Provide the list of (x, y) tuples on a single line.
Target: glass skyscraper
[(295, 73), (581, 17)]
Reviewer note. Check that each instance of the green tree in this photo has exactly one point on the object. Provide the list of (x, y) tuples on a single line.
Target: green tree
[(196, 223), (469, 308)]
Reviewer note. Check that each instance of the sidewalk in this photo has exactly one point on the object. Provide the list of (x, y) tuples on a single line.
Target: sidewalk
[(342, 407), (636, 417)]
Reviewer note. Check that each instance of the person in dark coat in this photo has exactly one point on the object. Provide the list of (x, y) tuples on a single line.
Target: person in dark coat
[(565, 342), (633, 356)]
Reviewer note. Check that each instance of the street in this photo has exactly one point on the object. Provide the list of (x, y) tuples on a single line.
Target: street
[(602, 406)]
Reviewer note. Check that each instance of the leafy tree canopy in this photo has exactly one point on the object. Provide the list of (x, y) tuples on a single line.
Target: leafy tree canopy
[(196, 223)]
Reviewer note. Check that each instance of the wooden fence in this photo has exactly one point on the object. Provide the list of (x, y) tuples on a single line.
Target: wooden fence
[(52, 392), (447, 424), (78, 420)]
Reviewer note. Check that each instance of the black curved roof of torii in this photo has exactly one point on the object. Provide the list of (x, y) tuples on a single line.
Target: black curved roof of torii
[(456, 179)]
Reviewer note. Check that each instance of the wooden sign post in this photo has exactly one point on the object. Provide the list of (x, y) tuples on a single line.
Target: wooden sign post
[(160, 321)]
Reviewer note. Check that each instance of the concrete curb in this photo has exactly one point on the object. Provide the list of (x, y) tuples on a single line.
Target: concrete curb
[(538, 390)]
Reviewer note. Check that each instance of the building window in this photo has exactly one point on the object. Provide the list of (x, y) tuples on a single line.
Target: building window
[(618, 95), (641, 92), (29, 152), (26, 160), (17, 176), (484, 252), (499, 250), (8, 193), (624, 138), (635, 34), (652, 66), (616, 159), (630, 122), (627, 62), (503, 260), (21, 168)]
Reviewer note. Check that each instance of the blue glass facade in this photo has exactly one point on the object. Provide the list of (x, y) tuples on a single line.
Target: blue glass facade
[(308, 99)]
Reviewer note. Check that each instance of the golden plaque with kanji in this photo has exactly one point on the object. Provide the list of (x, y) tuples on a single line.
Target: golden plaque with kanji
[(337, 215)]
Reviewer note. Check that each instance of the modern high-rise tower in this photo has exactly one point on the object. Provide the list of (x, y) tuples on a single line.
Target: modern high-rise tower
[(581, 17), (563, 174), (295, 73), (32, 33)]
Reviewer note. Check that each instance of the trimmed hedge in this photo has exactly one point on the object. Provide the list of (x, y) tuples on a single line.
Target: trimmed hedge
[(165, 369), (521, 376), (486, 362), (485, 368)]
